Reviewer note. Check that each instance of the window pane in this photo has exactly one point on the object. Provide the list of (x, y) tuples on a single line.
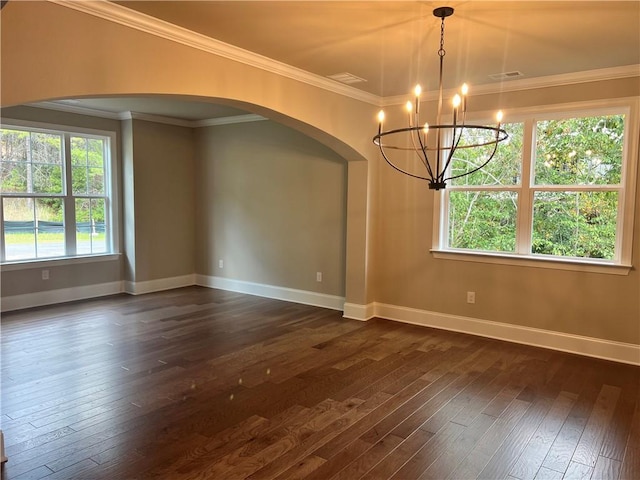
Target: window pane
[(90, 226), (46, 159), (98, 226), (503, 169), (95, 153), (96, 180), (19, 228), (14, 176), (78, 151), (79, 180), (575, 224), (579, 151), (13, 160), (47, 178), (87, 172), (483, 220), (14, 145), (79, 175), (46, 148), (50, 231)]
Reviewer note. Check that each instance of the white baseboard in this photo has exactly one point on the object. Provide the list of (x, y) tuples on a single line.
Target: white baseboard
[(149, 286), (588, 346), (271, 291), (564, 342), (49, 297), (356, 311)]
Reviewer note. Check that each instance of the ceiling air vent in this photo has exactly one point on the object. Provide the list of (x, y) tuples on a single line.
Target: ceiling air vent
[(506, 75), (346, 77)]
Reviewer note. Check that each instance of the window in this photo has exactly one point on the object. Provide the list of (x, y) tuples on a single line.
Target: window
[(56, 193), (560, 188)]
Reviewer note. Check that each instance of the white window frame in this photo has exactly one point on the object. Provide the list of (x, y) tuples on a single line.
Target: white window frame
[(111, 198), (621, 264)]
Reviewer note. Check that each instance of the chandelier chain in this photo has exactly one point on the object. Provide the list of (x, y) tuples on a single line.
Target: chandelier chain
[(442, 52)]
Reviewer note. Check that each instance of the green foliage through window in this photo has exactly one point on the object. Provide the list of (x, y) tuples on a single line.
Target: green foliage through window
[(35, 194), (574, 190)]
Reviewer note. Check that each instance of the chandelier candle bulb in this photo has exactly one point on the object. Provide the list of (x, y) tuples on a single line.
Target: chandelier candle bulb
[(417, 91), (409, 107), (380, 120), (464, 90), (456, 106)]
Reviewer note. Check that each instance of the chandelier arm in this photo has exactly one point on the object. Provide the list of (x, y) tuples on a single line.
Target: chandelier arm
[(427, 164), (454, 147), (423, 158), (400, 169)]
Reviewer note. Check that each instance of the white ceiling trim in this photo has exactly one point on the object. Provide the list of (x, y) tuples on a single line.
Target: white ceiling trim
[(212, 122), (92, 112), (156, 119), (62, 107), (148, 24), (529, 83)]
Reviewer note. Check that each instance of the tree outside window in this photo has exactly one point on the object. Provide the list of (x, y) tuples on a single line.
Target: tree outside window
[(55, 194), (553, 189)]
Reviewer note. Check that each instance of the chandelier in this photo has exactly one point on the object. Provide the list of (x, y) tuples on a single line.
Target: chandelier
[(447, 136)]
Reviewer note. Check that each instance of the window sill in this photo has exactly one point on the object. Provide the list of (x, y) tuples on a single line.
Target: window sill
[(57, 262), (573, 264)]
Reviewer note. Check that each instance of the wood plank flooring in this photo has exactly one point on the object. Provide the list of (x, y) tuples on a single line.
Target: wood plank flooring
[(198, 383)]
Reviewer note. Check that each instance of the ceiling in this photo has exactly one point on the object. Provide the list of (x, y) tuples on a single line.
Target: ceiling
[(392, 45)]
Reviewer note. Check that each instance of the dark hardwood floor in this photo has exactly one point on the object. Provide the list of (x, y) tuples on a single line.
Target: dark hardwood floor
[(204, 384)]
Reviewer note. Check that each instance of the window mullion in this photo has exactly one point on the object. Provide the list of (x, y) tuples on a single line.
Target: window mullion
[(69, 203), (525, 198), (443, 234)]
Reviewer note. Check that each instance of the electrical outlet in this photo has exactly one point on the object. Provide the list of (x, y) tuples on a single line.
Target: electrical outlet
[(220, 263), (318, 276), (45, 274), (471, 297)]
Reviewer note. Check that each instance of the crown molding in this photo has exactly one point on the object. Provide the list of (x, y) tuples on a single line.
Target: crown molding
[(157, 119), (212, 122), (209, 122), (574, 78), (63, 107), (128, 115), (154, 26)]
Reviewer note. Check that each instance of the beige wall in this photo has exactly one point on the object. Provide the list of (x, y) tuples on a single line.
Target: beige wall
[(27, 281), (272, 206), (162, 184)]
